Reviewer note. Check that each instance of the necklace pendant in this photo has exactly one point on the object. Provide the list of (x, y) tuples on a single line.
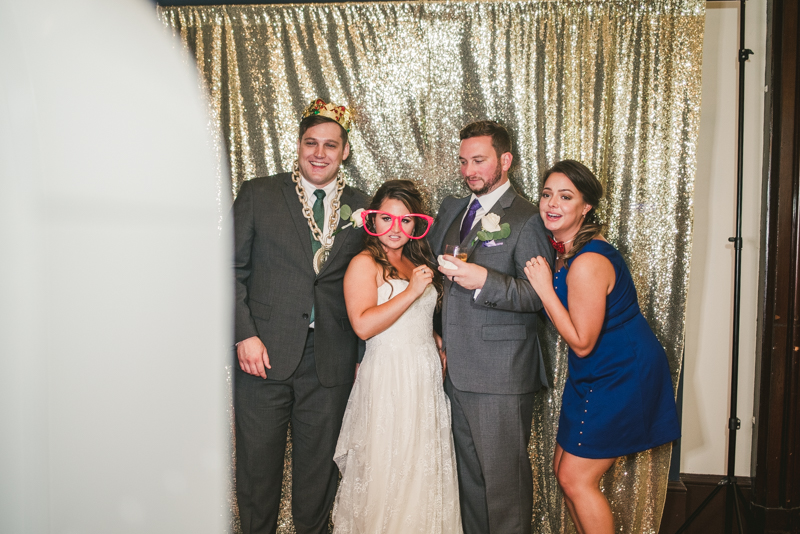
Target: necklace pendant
[(320, 257)]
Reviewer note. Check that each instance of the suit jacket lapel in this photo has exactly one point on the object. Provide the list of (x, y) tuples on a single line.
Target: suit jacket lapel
[(453, 221), (339, 239), (499, 208), (296, 211), (470, 236)]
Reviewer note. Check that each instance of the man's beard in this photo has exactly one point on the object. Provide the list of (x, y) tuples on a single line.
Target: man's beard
[(487, 186)]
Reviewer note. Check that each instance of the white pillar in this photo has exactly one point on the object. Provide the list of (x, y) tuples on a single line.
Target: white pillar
[(114, 277)]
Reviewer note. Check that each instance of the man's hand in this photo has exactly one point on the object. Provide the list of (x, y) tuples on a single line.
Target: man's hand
[(253, 357), (467, 275)]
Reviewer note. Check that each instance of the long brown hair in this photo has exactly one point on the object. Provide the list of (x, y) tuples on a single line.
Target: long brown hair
[(416, 250), (591, 190)]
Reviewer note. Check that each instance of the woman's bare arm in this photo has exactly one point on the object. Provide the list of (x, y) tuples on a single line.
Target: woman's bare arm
[(361, 284), (590, 279)]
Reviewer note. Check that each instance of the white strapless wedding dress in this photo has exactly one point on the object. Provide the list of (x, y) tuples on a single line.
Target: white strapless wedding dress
[(395, 450)]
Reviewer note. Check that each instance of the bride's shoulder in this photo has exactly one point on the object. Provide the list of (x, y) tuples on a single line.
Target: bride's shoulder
[(363, 265), (363, 260)]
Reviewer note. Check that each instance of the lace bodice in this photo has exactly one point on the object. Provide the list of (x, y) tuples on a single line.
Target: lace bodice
[(395, 450), (415, 326)]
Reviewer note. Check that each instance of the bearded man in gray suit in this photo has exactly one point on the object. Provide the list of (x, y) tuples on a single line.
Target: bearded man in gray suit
[(494, 364), (296, 349)]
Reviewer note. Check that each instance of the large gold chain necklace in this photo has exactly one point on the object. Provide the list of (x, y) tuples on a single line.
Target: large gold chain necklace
[(326, 241)]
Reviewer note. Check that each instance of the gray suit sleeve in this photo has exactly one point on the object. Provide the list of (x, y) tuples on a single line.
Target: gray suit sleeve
[(243, 234), (514, 293)]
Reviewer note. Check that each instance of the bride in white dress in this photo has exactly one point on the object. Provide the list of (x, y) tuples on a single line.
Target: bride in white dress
[(395, 449)]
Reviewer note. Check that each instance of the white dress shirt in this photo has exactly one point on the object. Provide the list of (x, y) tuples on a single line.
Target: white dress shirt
[(330, 191), (487, 203)]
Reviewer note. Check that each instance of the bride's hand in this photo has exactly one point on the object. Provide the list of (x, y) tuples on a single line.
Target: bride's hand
[(539, 274), (421, 277)]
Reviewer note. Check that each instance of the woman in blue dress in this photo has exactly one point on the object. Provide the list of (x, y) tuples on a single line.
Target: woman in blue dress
[(618, 399)]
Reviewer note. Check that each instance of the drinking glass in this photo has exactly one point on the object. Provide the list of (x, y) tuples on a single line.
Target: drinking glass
[(456, 251)]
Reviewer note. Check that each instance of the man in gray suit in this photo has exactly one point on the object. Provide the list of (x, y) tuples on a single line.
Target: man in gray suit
[(296, 349), (494, 364)]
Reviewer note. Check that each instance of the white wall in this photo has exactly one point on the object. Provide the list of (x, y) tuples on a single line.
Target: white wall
[(115, 304), (709, 314)]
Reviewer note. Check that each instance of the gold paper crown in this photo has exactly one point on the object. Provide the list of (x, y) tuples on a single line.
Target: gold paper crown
[(341, 114)]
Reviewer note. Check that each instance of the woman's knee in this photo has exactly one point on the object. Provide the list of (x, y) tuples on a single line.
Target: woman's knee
[(569, 480)]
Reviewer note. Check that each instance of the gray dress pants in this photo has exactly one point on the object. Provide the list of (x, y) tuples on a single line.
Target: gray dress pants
[(495, 480), (263, 409)]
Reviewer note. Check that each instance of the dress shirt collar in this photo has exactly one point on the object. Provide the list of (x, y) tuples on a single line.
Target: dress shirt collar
[(490, 199), (329, 189)]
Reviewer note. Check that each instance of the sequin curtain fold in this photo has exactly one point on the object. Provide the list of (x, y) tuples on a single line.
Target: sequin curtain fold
[(614, 84)]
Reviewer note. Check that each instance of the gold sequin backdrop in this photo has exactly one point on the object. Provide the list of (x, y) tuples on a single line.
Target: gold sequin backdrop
[(615, 84)]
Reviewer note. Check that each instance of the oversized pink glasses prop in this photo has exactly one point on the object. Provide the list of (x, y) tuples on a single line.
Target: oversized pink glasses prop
[(398, 219)]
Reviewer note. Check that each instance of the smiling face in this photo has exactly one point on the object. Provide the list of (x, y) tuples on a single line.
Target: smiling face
[(483, 171), (562, 207), (393, 239), (320, 152)]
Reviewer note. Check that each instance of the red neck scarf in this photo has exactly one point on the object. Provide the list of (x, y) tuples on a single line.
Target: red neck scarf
[(560, 246)]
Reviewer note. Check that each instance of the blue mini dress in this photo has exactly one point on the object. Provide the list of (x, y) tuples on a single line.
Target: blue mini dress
[(618, 400)]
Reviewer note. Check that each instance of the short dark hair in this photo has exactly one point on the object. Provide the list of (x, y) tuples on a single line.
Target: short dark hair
[(314, 120), (501, 141)]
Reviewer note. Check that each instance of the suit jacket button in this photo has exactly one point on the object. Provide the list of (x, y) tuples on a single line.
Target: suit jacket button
[(316, 282), (305, 316)]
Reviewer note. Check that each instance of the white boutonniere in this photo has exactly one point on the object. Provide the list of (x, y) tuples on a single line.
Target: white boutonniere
[(346, 213), (491, 228)]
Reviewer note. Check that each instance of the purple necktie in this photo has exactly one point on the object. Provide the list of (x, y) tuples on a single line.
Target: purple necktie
[(466, 225)]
